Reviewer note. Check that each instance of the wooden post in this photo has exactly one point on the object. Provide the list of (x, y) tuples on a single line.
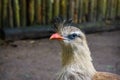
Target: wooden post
[(0, 13), (71, 8), (4, 13), (113, 9), (56, 7), (49, 11), (16, 10), (116, 6), (80, 11), (43, 11), (85, 10), (101, 9), (104, 9), (23, 12), (63, 8), (31, 12), (118, 9), (10, 11), (38, 11), (76, 11), (92, 10), (108, 9)]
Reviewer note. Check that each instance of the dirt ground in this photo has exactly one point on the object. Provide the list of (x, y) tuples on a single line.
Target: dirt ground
[(40, 59)]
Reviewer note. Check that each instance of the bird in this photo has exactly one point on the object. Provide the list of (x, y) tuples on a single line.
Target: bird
[(76, 56)]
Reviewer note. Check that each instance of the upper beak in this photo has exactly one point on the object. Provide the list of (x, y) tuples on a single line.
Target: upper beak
[(56, 36)]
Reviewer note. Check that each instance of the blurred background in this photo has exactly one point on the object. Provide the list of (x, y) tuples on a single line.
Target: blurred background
[(22, 13), (33, 16), (26, 53)]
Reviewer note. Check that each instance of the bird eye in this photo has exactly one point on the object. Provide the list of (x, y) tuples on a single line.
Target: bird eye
[(72, 36)]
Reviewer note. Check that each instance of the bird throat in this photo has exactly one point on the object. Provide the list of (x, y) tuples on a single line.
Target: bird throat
[(75, 55), (77, 58), (67, 56)]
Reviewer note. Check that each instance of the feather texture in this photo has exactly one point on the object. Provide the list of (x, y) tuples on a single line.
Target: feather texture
[(105, 76), (76, 56), (59, 22)]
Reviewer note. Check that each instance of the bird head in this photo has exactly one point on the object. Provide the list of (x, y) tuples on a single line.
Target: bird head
[(73, 42), (66, 33)]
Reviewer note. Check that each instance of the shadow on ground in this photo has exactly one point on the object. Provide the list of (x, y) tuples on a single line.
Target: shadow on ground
[(40, 59)]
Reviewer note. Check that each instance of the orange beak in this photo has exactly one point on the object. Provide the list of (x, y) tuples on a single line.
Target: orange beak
[(56, 36)]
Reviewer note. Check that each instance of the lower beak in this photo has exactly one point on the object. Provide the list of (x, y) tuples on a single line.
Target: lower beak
[(56, 36)]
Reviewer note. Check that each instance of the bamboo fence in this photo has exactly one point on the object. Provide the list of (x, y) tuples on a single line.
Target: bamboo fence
[(21, 13)]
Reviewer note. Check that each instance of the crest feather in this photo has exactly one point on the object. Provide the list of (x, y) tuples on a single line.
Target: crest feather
[(60, 22)]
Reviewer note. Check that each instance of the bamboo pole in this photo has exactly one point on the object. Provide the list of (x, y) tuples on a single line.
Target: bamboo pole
[(98, 10), (49, 11), (56, 7), (71, 6), (31, 12), (0, 13), (95, 10), (117, 4), (38, 11), (92, 10), (108, 9), (10, 11), (23, 12), (104, 9), (80, 11), (101, 9), (63, 8), (85, 10), (76, 11), (86, 6), (4, 13), (118, 8), (43, 11), (16, 10), (113, 9)]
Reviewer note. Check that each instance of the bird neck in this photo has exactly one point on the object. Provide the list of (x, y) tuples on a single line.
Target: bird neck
[(78, 58)]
